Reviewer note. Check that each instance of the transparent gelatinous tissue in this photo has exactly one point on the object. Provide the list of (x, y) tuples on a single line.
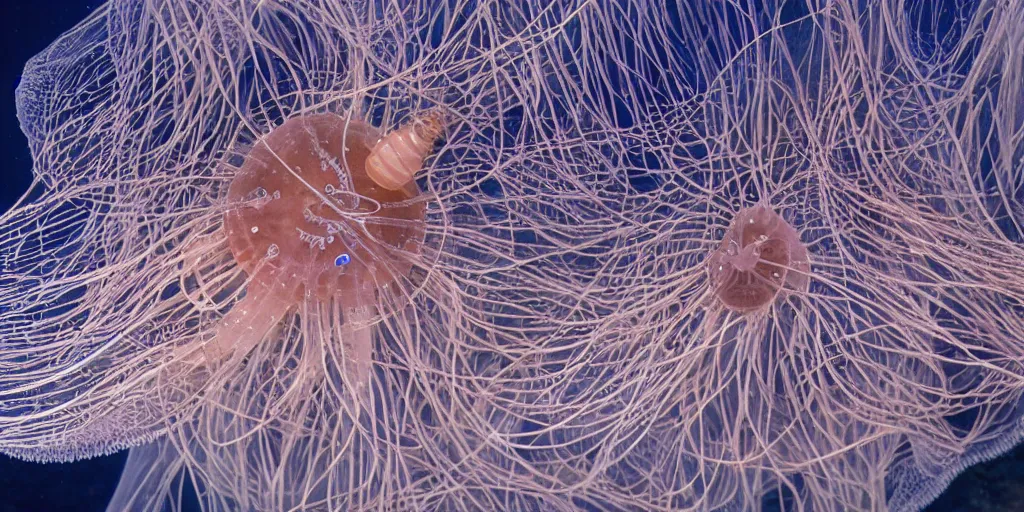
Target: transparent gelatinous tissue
[(539, 324)]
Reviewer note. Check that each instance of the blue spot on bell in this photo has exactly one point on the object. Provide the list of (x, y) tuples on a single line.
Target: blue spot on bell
[(342, 260)]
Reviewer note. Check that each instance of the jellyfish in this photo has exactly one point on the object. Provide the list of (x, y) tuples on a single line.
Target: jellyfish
[(684, 256), (326, 231), (757, 257), (232, 287)]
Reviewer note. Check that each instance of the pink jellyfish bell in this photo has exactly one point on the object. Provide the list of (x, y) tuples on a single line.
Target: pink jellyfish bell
[(759, 255), (305, 222)]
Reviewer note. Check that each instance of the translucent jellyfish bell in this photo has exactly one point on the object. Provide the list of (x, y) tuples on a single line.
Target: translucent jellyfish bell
[(312, 200), (758, 256), (215, 285), (305, 222)]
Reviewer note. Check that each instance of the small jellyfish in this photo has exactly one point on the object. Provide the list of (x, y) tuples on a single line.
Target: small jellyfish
[(296, 223), (759, 255)]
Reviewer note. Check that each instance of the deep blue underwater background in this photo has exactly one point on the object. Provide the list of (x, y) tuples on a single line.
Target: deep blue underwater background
[(28, 27)]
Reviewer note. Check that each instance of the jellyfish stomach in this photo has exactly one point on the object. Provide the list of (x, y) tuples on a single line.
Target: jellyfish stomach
[(313, 232), (745, 258)]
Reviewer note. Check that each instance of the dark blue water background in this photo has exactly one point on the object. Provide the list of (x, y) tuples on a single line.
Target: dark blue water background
[(86, 486)]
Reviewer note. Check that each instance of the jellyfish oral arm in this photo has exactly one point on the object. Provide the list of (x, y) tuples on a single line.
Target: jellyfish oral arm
[(357, 348), (242, 329), (247, 323)]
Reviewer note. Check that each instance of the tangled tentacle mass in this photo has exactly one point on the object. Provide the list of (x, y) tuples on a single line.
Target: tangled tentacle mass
[(556, 337)]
